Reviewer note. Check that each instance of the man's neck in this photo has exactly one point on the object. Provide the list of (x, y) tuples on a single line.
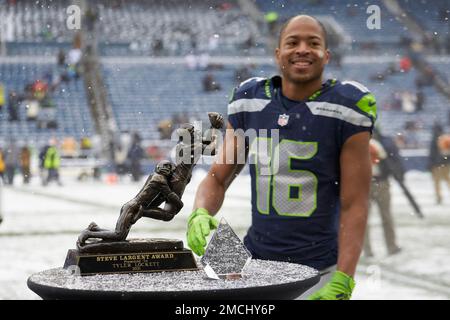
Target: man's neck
[(300, 91)]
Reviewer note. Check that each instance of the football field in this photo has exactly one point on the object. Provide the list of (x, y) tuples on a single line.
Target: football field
[(41, 224)]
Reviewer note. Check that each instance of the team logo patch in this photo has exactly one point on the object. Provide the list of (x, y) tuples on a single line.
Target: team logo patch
[(283, 120)]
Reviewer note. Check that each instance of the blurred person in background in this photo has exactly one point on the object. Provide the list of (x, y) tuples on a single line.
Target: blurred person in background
[(52, 162), (25, 164), (2, 167), (13, 106), (381, 148), (11, 160), (135, 155), (41, 158), (2, 97), (439, 159)]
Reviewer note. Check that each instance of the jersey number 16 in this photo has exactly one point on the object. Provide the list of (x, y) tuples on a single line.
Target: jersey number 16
[(293, 192)]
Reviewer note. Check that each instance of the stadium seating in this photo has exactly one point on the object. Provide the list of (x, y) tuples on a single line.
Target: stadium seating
[(145, 93), (351, 16), (142, 95), (133, 27), (433, 15), (72, 112)]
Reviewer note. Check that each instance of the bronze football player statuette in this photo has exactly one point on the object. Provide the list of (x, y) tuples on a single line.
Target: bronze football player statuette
[(156, 186), (165, 185)]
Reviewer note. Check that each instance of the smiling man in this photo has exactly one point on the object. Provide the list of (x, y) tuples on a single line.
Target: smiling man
[(311, 207)]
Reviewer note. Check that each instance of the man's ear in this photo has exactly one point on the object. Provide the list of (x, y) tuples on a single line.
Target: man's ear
[(327, 56), (277, 55)]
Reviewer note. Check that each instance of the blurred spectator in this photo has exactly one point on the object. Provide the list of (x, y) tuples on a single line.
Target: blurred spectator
[(11, 155), (13, 106), (69, 147), (41, 158), (179, 118), (213, 43), (47, 119), (52, 162), (2, 167), (420, 100), (431, 42), (97, 153), (25, 164), (210, 84), (408, 101), (203, 61), (439, 160), (85, 146), (135, 155), (272, 22), (191, 62), (61, 58), (383, 151), (155, 153), (74, 56), (405, 64), (120, 156), (2, 97), (32, 109), (40, 89), (249, 42), (410, 135), (225, 6), (193, 39), (241, 74), (426, 78), (73, 62), (165, 129), (405, 41), (158, 47)]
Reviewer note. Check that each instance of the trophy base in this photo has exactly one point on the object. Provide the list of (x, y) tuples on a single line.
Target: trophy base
[(263, 279), (130, 256)]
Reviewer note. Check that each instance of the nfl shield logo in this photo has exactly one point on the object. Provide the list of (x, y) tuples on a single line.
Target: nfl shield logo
[(283, 120)]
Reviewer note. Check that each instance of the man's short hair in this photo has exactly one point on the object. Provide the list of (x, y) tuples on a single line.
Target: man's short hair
[(324, 30)]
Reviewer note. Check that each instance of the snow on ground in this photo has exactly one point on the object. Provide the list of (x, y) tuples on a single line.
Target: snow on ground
[(41, 224)]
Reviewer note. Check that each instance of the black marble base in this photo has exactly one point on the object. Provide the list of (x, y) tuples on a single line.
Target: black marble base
[(131, 256)]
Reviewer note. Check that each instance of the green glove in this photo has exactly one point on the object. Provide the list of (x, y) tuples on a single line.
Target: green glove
[(200, 223), (340, 287)]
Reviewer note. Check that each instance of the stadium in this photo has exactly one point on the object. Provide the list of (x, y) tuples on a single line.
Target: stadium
[(105, 84)]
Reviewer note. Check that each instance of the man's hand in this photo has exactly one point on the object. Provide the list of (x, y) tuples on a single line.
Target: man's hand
[(340, 287), (200, 224)]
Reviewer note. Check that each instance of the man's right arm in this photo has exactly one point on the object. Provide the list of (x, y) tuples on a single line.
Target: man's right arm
[(211, 191)]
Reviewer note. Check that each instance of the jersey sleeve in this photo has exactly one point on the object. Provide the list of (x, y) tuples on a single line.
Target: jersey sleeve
[(243, 100), (365, 105), (235, 118)]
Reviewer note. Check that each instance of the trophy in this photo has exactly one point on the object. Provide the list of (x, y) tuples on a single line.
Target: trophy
[(102, 251), (226, 257)]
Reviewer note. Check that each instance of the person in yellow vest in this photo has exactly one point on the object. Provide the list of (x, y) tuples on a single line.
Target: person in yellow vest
[(52, 162), (2, 96), (2, 166), (439, 160)]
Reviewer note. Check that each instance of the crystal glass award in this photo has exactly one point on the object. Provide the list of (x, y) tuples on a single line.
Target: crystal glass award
[(226, 256)]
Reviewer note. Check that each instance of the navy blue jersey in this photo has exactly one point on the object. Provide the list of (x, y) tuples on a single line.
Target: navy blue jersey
[(294, 164)]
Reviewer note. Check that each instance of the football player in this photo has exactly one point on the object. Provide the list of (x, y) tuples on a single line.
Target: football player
[(310, 189)]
